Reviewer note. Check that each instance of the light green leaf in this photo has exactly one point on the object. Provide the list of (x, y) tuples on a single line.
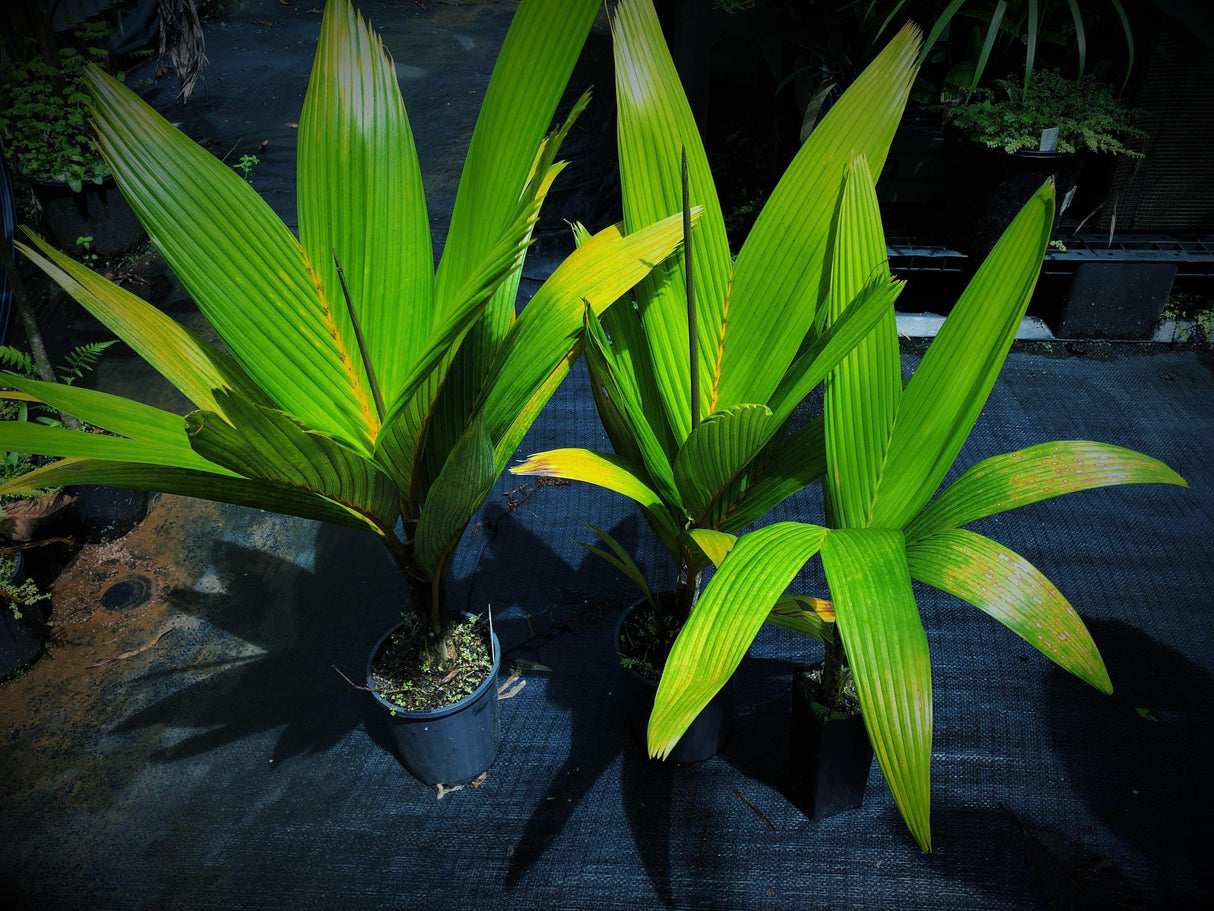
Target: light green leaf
[(633, 366), (1009, 588), (872, 304), (943, 399), (188, 482), (1037, 473), (152, 449), (360, 194), (886, 647), (781, 274), (464, 381), (239, 262), (456, 494), (551, 325), (715, 454), (109, 412), (726, 620), (655, 125), (532, 69), (195, 368), (617, 387), (862, 392)]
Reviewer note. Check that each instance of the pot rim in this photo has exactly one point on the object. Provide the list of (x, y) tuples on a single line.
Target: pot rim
[(648, 681), (443, 711), (107, 182)]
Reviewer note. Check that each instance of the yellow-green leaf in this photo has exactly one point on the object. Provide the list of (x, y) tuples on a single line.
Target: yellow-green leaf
[(862, 392), (943, 399), (886, 647), (1003, 584), (728, 616), (781, 272), (1037, 473)]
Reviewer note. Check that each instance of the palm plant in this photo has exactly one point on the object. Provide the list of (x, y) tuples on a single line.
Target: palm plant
[(362, 387), (888, 449), (749, 345)]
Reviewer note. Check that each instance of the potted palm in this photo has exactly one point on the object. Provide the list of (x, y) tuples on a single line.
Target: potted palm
[(358, 384), (888, 449), (697, 393)]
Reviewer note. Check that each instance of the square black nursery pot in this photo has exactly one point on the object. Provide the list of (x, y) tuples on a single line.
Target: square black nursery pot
[(829, 757)]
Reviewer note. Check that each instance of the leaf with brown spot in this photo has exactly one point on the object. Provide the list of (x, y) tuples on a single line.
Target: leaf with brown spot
[(1003, 584)]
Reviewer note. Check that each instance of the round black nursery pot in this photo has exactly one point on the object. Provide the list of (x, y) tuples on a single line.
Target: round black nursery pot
[(449, 745), (995, 185), (108, 513), (706, 735), (21, 638), (98, 211), (830, 756)]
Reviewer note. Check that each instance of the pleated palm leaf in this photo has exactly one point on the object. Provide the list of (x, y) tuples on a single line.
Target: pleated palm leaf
[(362, 387), (751, 347), (888, 450)]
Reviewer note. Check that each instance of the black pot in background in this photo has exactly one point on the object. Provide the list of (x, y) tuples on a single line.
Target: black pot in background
[(21, 640), (451, 745), (993, 186), (108, 513), (706, 735), (98, 211), (830, 758)]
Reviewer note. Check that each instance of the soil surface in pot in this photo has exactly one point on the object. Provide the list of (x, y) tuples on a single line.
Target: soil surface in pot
[(401, 673), (646, 637), (807, 683)]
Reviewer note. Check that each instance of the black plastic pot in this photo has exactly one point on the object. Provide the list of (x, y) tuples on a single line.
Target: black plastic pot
[(451, 745), (98, 211), (706, 735), (21, 639), (108, 513), (830, 757), (994, 186)]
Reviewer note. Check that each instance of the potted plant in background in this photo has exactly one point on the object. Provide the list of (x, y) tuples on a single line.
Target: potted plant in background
[(1075, 115), (1047, 127), (888, 449), (1014, 77), (697, 393), (362, 387), (44, 129)]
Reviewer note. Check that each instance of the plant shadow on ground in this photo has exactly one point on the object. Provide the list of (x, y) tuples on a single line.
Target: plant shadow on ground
[(270, 665), (1140, 757)]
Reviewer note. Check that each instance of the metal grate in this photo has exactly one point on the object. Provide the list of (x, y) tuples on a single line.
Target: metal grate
[(1172, 188), (1192, 255)]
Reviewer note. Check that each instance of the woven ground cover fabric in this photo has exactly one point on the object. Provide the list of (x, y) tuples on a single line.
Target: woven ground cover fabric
[(206, 745), (231, 766)]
